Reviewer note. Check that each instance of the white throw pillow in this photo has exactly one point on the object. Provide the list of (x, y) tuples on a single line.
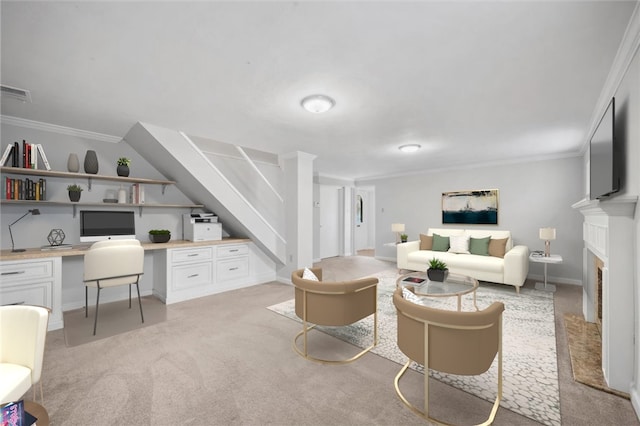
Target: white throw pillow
[(411, 297), (309, 275), (459, 244)]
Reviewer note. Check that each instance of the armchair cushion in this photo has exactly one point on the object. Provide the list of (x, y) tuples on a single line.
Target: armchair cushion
[(16, 381), (309, 275)]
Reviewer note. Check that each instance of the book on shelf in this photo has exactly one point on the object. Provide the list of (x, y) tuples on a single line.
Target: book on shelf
[(44, 157), (137, 194), (26, 189), (5, 155), (16, 155)]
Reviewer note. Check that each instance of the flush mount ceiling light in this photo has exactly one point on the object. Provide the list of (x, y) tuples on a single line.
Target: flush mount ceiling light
[(317, 103), (411, 147)]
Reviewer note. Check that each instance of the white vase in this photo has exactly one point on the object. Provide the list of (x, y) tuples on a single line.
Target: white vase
[(73, 164), (122, 196)]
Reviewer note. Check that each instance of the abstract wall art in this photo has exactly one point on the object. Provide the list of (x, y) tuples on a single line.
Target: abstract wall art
[(470, 207)]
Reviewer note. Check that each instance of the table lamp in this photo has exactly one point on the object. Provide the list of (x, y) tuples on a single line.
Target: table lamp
[(547, 234), (398, 228), (34, 212)]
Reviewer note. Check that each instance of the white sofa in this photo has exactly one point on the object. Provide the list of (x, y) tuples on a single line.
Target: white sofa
[(511, 269)]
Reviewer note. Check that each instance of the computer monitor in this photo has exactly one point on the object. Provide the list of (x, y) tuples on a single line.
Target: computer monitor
[(99, 225)]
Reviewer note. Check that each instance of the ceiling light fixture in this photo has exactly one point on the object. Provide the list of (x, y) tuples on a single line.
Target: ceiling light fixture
[(412, 147), (317, 103)]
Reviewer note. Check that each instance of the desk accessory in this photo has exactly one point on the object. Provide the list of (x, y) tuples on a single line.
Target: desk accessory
[(32, 211)]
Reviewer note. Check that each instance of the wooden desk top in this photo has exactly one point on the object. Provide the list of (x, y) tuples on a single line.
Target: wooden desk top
[(80, 249)]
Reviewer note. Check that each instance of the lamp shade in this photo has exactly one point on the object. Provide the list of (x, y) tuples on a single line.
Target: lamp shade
[(547, 234), (397, 227)]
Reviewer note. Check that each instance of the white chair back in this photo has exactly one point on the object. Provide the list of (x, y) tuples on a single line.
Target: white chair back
[(113, 258)]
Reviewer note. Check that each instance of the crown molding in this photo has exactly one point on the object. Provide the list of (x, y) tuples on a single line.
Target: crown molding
[(472, 166), (54, 128)]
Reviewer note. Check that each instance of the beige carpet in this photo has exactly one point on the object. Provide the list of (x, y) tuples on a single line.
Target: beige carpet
[(113, 318), (585, 351)]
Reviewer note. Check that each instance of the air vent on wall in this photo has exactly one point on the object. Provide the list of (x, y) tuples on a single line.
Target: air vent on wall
[(15, 93)]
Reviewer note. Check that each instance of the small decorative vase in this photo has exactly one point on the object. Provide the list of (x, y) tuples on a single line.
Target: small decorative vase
[(122, 195), (74, 195), (123, 170), (73, 164), (91, 162), (437, 274)]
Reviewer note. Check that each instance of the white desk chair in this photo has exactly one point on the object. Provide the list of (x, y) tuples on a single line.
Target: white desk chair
[(23, 331), (112, 263)]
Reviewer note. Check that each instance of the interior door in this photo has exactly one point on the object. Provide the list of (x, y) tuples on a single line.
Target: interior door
[(329, 222), (361, 221)]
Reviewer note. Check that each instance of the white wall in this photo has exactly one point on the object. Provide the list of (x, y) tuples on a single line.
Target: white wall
[(531, 195), (628, 103)]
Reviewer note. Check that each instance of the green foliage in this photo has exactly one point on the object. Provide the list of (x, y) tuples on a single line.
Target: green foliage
[(74, 188), (124, 161), (437, 264), (160, 232), (404, 237)]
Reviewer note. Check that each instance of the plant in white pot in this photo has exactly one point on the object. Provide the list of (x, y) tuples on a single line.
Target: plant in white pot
[(438, 270)]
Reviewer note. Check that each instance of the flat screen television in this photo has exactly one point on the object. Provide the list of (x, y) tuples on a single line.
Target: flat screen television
[(98, 225), (605, 168)]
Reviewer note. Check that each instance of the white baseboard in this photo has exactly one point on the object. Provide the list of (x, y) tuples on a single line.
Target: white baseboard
[(635, 400), (555, 280)]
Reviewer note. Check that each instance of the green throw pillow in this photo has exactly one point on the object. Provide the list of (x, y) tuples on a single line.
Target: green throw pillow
[(479, 246), (440, 243)]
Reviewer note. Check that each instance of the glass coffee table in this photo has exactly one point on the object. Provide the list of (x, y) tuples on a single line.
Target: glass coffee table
[(454, 285)]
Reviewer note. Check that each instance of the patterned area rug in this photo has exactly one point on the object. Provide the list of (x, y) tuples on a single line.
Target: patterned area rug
[(530, 385)]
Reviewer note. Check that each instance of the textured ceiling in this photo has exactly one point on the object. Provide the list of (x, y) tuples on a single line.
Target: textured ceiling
[(472, 82)]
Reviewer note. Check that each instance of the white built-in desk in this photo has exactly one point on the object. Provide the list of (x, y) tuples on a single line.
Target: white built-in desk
[(182, 270)]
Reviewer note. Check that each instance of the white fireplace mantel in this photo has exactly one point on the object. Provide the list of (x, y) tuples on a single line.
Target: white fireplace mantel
[(608, 231)]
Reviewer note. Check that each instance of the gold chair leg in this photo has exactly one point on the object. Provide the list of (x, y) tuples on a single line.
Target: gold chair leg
[(424, 415), (303, 353)]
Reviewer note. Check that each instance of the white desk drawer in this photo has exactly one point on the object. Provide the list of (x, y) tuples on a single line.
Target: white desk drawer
[(189, 276), (229, 250), (26, 270), (197, 254), (232, 268), (28, 294)]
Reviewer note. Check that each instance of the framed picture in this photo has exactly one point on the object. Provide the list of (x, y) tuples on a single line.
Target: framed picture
[(470, 207)]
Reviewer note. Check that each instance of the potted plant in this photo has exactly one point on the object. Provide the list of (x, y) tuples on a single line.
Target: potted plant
[(438, 270), (159, 235), (74, 192), (123, 166), (403, 238)]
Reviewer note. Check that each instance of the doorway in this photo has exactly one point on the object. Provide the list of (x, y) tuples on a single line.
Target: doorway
[(329, 221)]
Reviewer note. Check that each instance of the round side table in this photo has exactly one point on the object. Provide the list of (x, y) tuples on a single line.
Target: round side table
[(37, 411)]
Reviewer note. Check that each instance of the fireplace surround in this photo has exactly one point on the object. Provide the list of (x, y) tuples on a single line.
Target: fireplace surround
[(608, 232)]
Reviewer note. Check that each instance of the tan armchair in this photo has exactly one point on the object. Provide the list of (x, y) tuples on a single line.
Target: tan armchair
[(333, 304), (462, 343)]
